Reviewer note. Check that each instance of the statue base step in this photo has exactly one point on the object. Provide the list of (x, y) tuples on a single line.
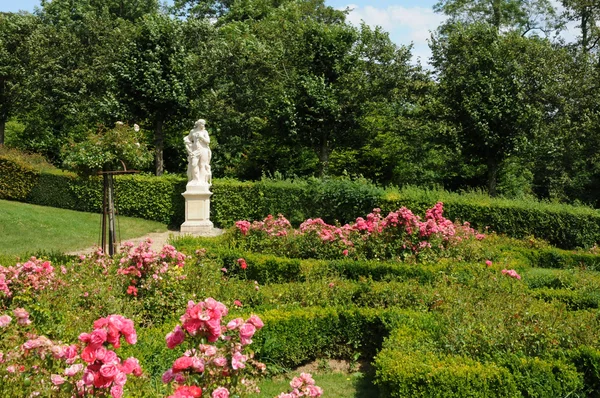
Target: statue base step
[(197, 213), (205, 227)]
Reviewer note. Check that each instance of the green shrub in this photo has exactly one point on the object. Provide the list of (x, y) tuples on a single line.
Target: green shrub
[(342, 200), (410, 364), (556, 258), (537, 278), (293, 337), (331, 292), (574, 299), (272, 269), (587, 361), (536, 377), (424, 374), (16, 179)]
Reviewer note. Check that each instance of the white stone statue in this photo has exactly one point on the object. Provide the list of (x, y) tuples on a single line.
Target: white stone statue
[(199, 154), (197, 194)]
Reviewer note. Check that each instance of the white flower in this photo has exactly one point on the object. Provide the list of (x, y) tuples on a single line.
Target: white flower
[(136, 128), (137, 144), (119, 123)]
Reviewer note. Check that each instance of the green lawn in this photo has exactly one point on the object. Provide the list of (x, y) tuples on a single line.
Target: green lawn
[(26, 228)]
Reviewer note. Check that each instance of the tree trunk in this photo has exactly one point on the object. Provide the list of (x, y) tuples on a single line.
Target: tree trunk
[(323, 158), (492, 170), (2, 128), (159, 146), (112, 238), (584, 30)]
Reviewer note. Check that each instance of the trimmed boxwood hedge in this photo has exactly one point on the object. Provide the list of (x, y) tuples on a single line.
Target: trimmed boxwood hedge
[(266, 268), (159, 199), (409, 365)]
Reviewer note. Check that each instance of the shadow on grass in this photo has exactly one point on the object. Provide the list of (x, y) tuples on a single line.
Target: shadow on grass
[(364, 386)]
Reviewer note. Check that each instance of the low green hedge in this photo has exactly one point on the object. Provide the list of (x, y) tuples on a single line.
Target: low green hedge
[(409, 365), (574, 299), (587, 361), (562, 259), (16, 180), (337, 293), (158, 198), (272, 269)]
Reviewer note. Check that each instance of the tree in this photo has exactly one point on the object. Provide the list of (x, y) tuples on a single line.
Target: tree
[(587, 13), (521, 15), (70, 90), (498, 89), (153, 76), (14, 31)]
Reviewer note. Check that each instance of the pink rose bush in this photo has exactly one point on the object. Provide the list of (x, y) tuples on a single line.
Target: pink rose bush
[(400, 234), (303, 386), (27, 278), (147, 269), (89, 368), (216, 359)]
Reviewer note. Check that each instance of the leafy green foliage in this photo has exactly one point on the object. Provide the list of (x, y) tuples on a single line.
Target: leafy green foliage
[(496, 89), (108, 150)]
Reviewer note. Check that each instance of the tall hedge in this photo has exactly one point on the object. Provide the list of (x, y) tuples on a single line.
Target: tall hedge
[(159, 199)]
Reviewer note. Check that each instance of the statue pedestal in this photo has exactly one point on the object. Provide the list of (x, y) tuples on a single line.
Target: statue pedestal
[(197, 210)]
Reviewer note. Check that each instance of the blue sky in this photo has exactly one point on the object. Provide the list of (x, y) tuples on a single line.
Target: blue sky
[(407, 21)]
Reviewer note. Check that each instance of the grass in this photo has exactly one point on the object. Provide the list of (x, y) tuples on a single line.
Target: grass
[(26, 228), (335, 385)]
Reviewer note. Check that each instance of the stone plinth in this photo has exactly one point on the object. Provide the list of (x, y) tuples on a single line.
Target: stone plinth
[(197, 210)]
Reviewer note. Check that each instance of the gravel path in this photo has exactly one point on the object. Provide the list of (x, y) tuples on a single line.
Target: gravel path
[(159, 239)]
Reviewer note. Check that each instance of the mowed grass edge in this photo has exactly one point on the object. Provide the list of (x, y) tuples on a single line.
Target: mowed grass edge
[(26, 228)]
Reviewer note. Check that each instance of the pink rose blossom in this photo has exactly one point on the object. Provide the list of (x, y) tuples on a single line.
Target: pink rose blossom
[(220, 392), (120, 379), (131, 365), (116, 391), (296, 382), (73, 370), (256, 321), (5, 321), (314, 391), (238, 361), (57, 380), (512, 273), (182, 363), (168, 376), (176, 337), (235, 323), (98, 337), (109, 371), (246, 332)]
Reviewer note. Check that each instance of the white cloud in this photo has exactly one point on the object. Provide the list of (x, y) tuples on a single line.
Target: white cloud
[(408, 24), (405, 25)]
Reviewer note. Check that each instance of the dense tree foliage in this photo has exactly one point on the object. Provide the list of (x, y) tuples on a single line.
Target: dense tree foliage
[(290, 88)]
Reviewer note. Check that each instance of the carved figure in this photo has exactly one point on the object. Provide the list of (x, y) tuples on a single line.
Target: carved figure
[(199, 154)]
